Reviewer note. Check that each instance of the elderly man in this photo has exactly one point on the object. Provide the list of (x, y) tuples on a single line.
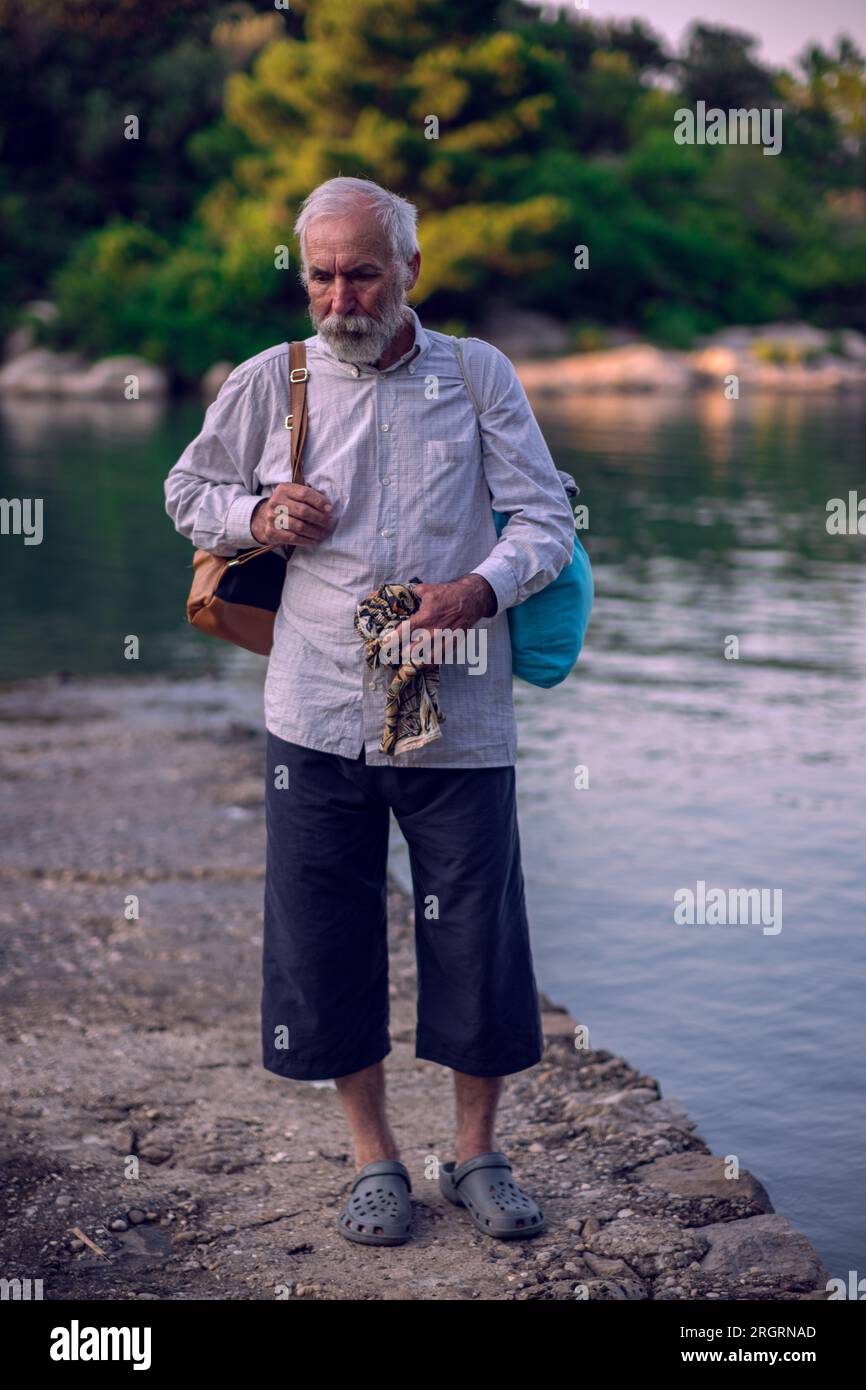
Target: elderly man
[(410, 447)]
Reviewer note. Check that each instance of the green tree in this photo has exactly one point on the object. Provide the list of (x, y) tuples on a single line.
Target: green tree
[(73, 70), (520, 135)]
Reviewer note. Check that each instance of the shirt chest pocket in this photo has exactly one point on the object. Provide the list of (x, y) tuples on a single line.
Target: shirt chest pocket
[(447, 497)]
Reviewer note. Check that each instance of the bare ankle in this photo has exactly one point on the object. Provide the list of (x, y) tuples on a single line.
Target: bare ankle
[(372, 1153), (471, 1149)]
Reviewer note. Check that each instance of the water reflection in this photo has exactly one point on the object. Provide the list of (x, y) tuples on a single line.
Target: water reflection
[(708, 524), (29, 423)]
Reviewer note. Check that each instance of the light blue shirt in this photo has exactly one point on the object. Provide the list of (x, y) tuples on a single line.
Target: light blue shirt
[(414, 476)]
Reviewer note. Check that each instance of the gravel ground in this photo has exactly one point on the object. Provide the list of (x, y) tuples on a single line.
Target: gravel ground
[(147, 1154)]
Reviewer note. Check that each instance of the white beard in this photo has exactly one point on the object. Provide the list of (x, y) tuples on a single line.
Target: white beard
[(358, 337)]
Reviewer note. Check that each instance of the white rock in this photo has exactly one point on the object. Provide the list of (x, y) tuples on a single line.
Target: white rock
[(214, 378), (636, 367), (107, 379), (38, 372), (853, 344), (44, 373), (802, 335)]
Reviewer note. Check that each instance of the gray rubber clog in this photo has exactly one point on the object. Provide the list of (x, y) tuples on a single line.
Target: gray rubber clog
[(378, 1211), (485, 1187)]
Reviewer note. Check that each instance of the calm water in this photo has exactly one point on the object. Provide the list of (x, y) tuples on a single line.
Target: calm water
[(706, 520)]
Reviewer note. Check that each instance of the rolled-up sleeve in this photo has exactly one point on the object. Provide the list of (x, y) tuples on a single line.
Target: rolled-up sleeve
[(538, 540), (210, 493)]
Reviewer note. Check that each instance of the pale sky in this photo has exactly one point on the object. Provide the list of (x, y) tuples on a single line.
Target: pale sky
[(784, 27)]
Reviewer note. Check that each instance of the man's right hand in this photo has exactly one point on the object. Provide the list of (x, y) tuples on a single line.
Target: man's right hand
[(294, 514)]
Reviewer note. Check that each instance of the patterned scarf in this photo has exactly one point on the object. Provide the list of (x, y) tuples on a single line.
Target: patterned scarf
[(412, 713)]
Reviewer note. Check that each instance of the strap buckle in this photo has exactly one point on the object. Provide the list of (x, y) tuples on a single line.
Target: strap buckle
[(289, 419), (298, 374)]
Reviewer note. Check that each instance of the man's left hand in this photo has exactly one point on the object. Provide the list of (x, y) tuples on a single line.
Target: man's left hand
[(458, 604)]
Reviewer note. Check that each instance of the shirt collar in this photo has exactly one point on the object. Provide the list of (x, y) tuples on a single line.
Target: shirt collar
[(420, 344)]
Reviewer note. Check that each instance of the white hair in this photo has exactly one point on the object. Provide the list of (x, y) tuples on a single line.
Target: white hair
[(338, 197)]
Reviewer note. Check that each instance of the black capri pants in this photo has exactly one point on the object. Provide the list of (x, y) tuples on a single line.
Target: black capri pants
[(325, 950)]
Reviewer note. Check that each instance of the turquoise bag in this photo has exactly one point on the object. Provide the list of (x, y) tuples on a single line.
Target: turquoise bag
[(548, 628)]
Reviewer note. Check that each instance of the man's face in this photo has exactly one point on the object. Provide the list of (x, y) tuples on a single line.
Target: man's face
[(355, 289)]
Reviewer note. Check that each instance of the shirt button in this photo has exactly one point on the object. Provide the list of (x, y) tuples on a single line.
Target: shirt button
[(385, 429), (386, 482), (411, 371), (355, 372), (386, 533)]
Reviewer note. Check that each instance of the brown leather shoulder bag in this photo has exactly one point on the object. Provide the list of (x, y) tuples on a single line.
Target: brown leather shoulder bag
[(238, 599)]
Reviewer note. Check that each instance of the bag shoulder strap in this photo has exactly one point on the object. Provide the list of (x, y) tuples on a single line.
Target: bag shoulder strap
[(296, 420), (571, 488), (458, 348)]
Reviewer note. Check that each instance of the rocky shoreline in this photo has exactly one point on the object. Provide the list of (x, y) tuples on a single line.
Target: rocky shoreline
[(777, 357), (148, 1155), (726, 369)]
